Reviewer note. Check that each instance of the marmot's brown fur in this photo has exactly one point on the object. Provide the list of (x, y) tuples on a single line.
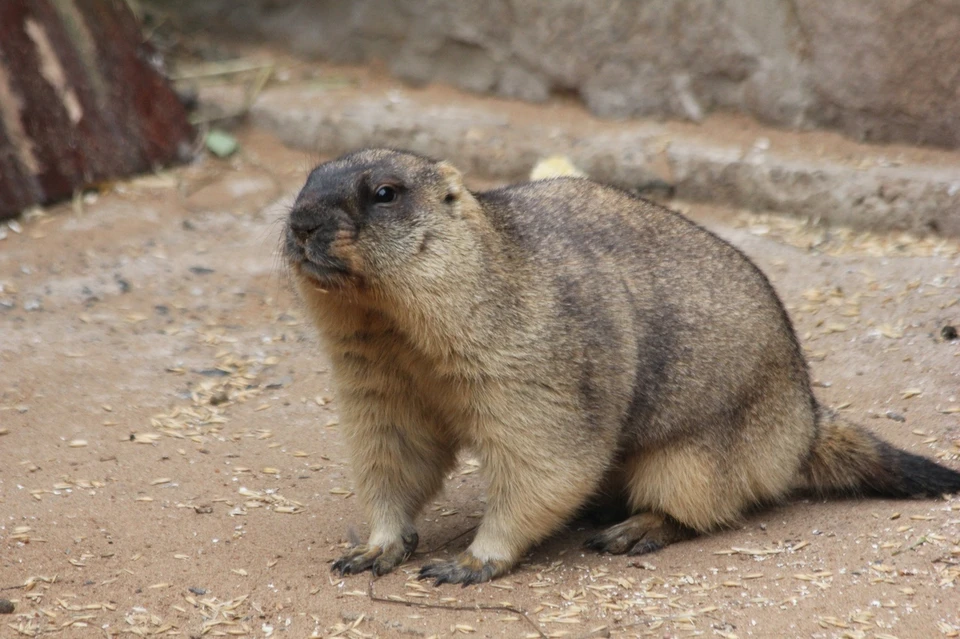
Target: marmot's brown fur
[(591, 347)]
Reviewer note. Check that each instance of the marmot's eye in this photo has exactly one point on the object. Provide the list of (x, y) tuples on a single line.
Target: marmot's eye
[(384, 194)]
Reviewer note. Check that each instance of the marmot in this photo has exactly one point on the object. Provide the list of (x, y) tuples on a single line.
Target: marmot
[(592, 348)]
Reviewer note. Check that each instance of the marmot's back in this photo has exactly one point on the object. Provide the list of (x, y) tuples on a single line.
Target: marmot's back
[(563, 219), (707, 326)]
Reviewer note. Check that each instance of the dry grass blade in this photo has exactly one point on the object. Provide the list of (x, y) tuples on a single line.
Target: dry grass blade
[(219, 69), (449, 541), (262, 71), (475, 607)]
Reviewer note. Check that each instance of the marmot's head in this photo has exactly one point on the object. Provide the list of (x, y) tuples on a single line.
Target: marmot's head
[(374, 217)]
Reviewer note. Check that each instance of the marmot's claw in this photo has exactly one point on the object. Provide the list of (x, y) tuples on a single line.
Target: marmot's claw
[(645, 546), (465, 569), (358, 559), (379, 560), (597, 543)]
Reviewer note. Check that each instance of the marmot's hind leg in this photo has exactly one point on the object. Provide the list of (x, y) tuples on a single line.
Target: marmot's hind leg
[(674, 493), (640, 534), (709, 481)]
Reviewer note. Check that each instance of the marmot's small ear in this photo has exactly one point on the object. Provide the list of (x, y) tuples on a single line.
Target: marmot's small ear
[(451, 178)]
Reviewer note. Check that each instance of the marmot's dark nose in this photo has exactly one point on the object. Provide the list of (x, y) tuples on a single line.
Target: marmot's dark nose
[(308, 221), (302, 225), (300, 233)]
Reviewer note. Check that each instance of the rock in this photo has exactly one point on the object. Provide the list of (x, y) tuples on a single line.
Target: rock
[(885, 69), (796, 63)]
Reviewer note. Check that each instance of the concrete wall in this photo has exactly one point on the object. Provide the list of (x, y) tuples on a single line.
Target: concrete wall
[(879, 70)]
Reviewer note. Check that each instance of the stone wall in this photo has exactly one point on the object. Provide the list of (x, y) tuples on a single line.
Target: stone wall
[(879, 70)]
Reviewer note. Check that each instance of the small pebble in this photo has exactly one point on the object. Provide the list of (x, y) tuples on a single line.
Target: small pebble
[(201, 270), (897, 417), (948, 332), (212, 372), (6, 607)]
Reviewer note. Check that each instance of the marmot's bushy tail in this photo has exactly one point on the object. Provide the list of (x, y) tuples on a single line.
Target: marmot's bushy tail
[(848, 460)]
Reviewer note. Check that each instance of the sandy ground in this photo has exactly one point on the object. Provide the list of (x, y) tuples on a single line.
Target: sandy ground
[(171, 462)]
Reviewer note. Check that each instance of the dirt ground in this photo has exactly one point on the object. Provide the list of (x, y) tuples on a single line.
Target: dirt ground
[(171, 462)]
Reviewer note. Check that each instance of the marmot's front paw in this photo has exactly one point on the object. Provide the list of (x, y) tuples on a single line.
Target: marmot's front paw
[(465, 569), (380, 560)]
